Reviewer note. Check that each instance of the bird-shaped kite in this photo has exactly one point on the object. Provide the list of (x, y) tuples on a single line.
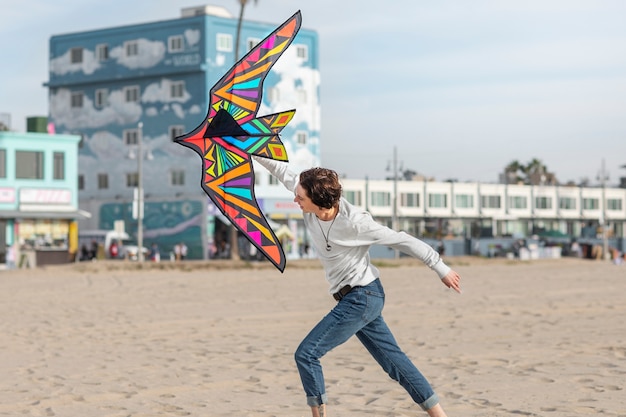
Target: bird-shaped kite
[(231, 132)]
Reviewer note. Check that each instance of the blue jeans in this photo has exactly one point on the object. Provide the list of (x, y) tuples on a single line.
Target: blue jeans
[(359, 312)]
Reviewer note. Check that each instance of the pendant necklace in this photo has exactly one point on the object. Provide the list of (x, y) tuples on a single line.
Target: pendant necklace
[(326, 235)]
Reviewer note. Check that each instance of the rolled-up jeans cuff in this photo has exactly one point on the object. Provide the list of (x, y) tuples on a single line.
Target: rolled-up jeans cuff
[(317, 401), (430, 402)]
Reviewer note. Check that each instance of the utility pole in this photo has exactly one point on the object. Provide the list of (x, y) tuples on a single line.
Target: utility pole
[(394, 220), (603, 176), (139, 193), (394, 201)]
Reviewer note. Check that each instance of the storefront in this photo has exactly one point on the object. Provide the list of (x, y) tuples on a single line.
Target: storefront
[(39, 239), (43, 231)]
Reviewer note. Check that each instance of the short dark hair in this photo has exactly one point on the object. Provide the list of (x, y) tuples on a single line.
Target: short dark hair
[(322, 186)]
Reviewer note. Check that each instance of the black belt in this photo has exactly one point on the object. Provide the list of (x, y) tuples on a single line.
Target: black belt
[(343, 291)]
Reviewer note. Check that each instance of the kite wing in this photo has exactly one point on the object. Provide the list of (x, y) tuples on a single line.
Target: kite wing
[(231, 132)]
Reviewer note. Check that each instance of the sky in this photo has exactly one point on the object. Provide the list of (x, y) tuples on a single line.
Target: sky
[(457, 89)]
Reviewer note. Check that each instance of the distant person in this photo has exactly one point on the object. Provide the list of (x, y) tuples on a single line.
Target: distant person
[(223, 251), (183, 251), (155, 254), (441, 249), (575, 249), (11, 257), (84, 253), (114, 250), (212, 250), (177, 254), (94, 249)]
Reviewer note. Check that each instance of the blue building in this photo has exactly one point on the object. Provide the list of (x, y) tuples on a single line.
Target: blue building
[(148, 83), (38, 198)]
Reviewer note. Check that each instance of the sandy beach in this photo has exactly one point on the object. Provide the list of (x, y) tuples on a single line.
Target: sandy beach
[(537, 338)]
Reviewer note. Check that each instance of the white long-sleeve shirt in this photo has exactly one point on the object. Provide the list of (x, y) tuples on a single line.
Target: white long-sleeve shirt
[(350, 237)]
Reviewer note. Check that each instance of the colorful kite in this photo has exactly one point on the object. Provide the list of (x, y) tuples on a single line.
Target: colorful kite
[(232, 132)]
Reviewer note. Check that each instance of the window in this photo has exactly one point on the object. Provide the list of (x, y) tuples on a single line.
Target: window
[(76, 55), (3, 163), (409, 199), (177, 89), (251, 43), (302, 52), (29, 165), (102, 97), (132, 179), (131, 94), (59, 165), (464, 201), (131, 137), (614, 204), (273, 94), (102, 52), (224, 42), (380, 199), (301, 95), (176, 131), (301, 138), (81, 182), (131, 48), (437, 200), (103, 181), (490, 201), (518, 202), (543, 203), (591, 203), (567, 203), (76, 99), (178, 177), (175, 44), (353, 197)]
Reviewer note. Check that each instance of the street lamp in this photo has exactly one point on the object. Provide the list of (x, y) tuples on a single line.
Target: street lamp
[(138, 198)]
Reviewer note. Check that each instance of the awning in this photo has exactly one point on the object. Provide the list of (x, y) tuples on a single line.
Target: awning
[(70, 215)]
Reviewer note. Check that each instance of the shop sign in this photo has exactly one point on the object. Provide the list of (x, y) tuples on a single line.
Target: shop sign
[(45, 196), (7, 195)]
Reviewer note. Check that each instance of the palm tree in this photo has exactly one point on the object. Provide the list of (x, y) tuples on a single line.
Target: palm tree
[(513, 172), (234, 244), (535, 172), (242, 4)]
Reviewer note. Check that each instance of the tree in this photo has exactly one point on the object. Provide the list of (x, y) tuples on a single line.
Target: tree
[(234, 244), (514, 172), (242, 4), (534, 172), (537, 173)]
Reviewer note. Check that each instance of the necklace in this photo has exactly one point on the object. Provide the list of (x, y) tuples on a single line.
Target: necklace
[(326, 235)]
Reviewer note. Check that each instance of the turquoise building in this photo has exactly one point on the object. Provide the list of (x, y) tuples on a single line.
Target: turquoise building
[(128, 91), (38, 198)]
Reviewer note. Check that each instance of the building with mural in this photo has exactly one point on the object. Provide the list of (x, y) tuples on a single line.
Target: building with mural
[(38, 198), (128, 91)]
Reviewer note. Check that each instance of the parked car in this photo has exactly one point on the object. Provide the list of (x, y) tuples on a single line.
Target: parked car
[(88, 239), (129, 251)]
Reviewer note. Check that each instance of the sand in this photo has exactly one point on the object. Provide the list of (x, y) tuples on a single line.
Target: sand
[(537, 338)]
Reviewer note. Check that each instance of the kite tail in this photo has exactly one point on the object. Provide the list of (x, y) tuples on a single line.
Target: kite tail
[(268, 143)]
